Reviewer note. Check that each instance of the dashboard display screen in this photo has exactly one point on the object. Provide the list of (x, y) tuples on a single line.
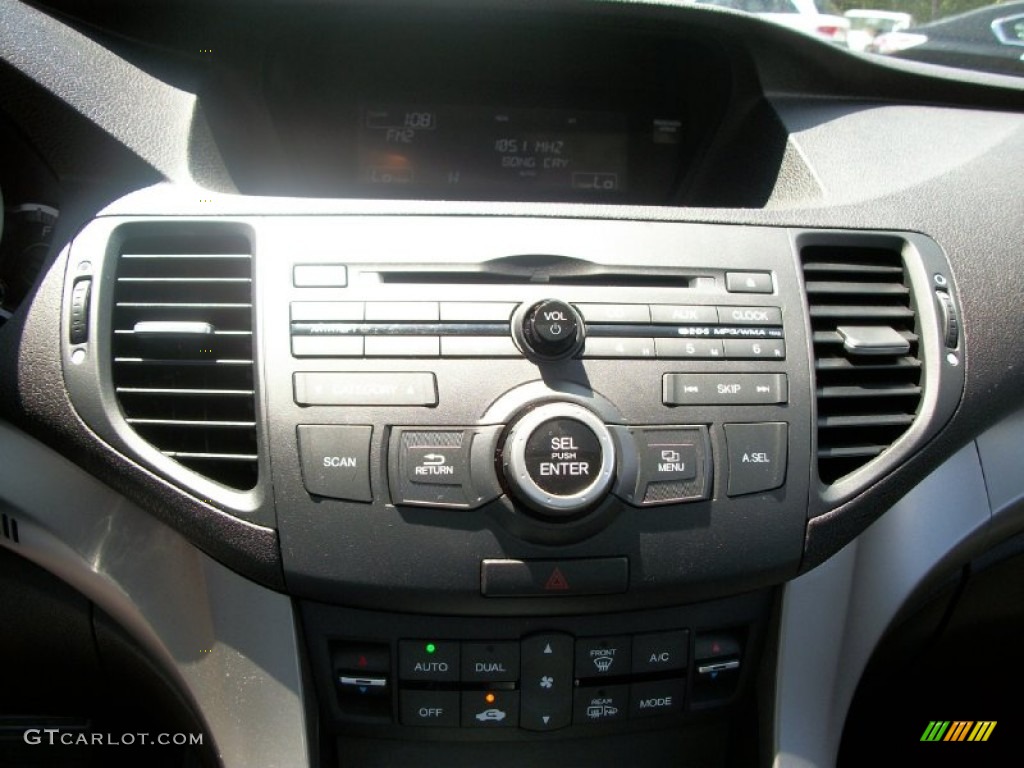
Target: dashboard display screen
[(459, 149)]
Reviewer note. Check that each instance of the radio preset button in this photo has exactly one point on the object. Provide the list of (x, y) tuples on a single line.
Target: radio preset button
[(703, 349), (750, 349), (607, 346)]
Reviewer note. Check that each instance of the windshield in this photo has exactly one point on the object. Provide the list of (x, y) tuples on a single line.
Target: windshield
[(970, 34)]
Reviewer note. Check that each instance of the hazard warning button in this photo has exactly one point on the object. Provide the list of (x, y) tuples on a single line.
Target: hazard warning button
[(554, 578)]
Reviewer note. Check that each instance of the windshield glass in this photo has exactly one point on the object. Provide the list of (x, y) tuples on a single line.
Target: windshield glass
[(970, 34)]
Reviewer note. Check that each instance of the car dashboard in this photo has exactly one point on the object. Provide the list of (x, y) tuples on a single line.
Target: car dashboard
[(569, 384)]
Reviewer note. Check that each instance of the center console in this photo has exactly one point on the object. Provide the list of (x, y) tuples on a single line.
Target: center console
[(531, 479)]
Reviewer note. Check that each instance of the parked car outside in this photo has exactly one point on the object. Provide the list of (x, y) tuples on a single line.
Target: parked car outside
[(990, 39), (867, 24), (819, 18)]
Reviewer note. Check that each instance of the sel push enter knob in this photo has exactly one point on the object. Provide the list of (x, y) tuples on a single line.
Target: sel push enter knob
[(552, 330), (559, 459)]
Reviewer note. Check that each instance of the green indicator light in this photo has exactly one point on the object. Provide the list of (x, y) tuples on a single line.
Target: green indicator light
[(431, 647)]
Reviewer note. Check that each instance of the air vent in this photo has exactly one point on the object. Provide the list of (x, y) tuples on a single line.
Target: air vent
[(183, 352), (866, 361)]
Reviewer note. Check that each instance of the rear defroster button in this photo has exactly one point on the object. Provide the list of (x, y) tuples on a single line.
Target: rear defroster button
[(559, 459)]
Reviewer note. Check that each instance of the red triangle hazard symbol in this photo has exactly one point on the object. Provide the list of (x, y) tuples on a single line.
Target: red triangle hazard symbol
[(362, 661), (556, 581)]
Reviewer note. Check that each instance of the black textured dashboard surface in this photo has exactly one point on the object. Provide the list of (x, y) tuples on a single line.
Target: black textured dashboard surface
[(958, 188)]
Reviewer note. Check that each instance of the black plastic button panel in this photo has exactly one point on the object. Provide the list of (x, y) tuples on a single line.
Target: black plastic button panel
[(551, 680), (443, 467), (550, 329), (673, 465)]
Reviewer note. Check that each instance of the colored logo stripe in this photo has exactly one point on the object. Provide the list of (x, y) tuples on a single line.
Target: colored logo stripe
[(982, 730), (959, 730)]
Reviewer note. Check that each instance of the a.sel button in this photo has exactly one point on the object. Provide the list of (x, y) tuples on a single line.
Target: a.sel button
[(757, 456), (724, 388), (660, 651), (335, 461), (430, 708)]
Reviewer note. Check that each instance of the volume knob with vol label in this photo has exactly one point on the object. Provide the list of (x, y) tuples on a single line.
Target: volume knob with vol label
[(552, 330)]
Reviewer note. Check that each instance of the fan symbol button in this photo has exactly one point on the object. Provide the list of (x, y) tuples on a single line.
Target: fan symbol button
[(547, 681)]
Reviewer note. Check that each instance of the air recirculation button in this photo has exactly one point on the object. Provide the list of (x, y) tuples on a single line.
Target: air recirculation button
[(559, 459)]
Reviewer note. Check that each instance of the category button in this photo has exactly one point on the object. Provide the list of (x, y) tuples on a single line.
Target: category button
[(335, 461), (660, 651), (757, 456), (378, 388), (429, 660)]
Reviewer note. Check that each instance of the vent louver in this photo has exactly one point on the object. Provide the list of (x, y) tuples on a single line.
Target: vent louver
[(866, 361), (183, 351)]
